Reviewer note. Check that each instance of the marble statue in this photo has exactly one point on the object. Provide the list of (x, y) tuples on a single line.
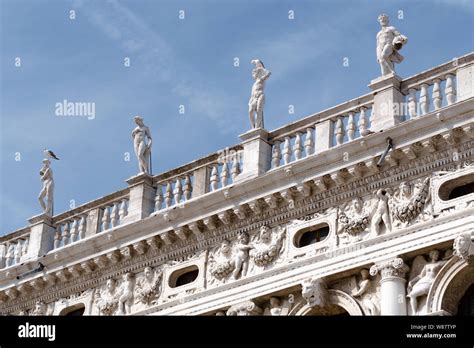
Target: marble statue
[(47, 190), (314, 291), (222, 263), (422, 276), (257, 98), (126, 297), (389, 42), (353, 221), (461, 246), (381, 212), (409, 202), (149, 288), (107, 301), (142, 144), (241, 257), (267, 247), (368, 300)]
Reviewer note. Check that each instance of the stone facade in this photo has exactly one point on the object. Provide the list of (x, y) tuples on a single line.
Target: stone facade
[(318, 217)]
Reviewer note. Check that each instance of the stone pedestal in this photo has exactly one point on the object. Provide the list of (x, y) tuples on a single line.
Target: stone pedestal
[(142, 197), (324, 133), (465, 82), (388, 102), (392, 286), (257, 153), (41, 236)]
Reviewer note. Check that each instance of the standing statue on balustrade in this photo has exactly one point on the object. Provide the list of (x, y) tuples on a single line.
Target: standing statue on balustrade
[(389, 42), (257, 98), (142, 144), (47, 190)]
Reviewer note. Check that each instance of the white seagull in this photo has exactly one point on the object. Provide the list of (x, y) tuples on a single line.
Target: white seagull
[(49, 154)]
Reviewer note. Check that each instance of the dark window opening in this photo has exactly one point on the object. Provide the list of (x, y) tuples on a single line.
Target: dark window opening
[(312, 236), (456, 188), (184, 276), (76, 312), (466, 305)]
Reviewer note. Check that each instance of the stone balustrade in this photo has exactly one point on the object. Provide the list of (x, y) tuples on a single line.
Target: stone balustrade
[(13, 251), (314, 137), (113, 214)]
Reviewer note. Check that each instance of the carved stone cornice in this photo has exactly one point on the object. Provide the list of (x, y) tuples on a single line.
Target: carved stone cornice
[(394, 268)]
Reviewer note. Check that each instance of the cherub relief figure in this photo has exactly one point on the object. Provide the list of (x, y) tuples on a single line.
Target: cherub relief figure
[(108, 298), (267, 246), (381, 212), (353, 221), (422, 276), (408, 202), (242, 257), (148, 288), (126, 296)]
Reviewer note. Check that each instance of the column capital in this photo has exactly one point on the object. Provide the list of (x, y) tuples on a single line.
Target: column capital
[(393, 268)]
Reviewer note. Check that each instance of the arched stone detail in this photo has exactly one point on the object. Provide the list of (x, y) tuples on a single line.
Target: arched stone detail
[(449, 286), (69, 309), (336, 297)]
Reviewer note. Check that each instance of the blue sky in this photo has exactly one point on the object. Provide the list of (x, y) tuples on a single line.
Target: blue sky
[(186, 62)]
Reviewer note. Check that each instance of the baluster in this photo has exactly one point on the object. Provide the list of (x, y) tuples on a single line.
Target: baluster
[(339, 131), (287, 151), (114, 216), (105, 218), (351, 127), (214, 178), (74, 231), (178, 191), (82, 227), (57, 238), (424, 99), (168, 195), (276, 154), (363, 122), (123, 211), (18, 248), (158, 198), (412, 102), (297, 147), (437, 96), (450, 90), (224, 174), (235, 167), (66, 234), (309, 142), (187, 188)]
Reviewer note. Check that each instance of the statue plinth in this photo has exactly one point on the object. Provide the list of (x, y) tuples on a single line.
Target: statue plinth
[(41, 218), (139, 179), (382, 82), (254, 134), (257, 153)]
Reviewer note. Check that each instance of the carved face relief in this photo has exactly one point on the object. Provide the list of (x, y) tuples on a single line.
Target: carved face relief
[(225, 247), (434, 255), (110, 285), (148, 273), (265, 235)]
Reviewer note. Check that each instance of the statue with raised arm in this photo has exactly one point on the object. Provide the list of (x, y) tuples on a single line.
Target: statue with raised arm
[(47, 190), (257, 98), (142, 144), (389, 42)]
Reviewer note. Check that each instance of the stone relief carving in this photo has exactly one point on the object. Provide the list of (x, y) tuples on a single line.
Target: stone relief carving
[(314, 292), (389, 42), (422, 276), (353, 220), (247, 308), (126, 295), (409, 201), (381, 212), (148, 288), (268, 245), (366, 292), (40, 308), (461, 246), (108, 298), (277, 306), (234, 261)]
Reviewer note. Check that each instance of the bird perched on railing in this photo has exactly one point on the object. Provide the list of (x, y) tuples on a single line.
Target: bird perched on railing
[(49, 154)]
